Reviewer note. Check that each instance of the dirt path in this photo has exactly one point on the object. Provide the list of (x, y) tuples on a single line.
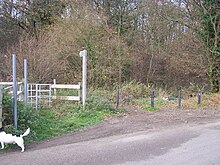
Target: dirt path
[(133, 121)]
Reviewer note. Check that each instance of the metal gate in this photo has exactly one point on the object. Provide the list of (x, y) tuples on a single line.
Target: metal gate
[(39, 95)]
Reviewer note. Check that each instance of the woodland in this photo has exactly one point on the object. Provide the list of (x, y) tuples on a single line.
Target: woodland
[(168, 43)]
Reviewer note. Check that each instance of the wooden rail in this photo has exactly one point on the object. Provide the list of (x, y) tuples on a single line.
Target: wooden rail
[(66, 86), (8, 87)]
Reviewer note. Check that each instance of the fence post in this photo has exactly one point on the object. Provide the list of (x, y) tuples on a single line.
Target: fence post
[(50, 95), (14, 89), (36, 96), (179, 99), (152, 98), (199, 97), (79, 91), (54, 89), (20, 90), (1, 96), (117, 97)]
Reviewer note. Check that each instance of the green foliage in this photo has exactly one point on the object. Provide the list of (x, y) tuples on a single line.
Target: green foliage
[(7, 109), (210, 35), (52, 122), (27, 117), (98, 104), (66, 92), (149, 108), (68, 117)]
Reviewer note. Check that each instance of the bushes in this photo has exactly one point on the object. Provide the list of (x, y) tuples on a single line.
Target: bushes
[(59, 119), (98, 104), (134, 90), (7, 112), (26, 117)]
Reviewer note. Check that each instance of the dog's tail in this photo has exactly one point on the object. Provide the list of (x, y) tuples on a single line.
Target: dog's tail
[(26, 133)]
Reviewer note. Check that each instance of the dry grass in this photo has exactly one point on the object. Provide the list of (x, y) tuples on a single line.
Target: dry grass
[(208, 101)]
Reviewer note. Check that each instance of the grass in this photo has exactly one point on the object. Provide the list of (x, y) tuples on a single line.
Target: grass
[(62, 118), (69, 117), (66, 92), (66, 117), (208, 101)]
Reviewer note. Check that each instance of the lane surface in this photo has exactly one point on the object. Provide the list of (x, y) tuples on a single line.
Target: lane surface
[(198, 145)]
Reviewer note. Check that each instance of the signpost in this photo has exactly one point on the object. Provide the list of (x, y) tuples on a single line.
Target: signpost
[(83, 54)]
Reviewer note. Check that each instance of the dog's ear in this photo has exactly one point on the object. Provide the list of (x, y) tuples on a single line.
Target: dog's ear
[(1, 129)]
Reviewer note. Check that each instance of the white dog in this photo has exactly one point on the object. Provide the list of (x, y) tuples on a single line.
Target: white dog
[(9, 138)]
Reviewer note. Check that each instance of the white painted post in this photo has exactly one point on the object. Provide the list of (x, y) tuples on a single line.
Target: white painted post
[(83, 54), (31, 94), (50, 95), (79, 91), (20, 94), (54, 89), (36, 96)]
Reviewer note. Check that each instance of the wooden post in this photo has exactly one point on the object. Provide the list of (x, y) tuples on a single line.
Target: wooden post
[(1, 96), (20, 94), (54, 89), (79, 91), (36, 96)]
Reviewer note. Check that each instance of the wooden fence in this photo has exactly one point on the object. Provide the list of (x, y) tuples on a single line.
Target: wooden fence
[(8, 87), (41, 95), (65, 86)]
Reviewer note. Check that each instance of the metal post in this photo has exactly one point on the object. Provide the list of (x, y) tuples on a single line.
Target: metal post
[(199, 97), (179, 99), (117, 97), (25, 83), (83, 54), (14, 89), (1, 95), (152, 98)]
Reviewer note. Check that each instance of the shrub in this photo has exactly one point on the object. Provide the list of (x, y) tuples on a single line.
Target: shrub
[(98, 104), (134, 90), (27, 117)]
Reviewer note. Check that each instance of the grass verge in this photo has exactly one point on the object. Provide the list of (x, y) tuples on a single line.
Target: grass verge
[(62, 118), (208, 101)]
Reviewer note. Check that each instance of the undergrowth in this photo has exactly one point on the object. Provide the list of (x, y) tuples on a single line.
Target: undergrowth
[(68, 116), (63, 117)]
